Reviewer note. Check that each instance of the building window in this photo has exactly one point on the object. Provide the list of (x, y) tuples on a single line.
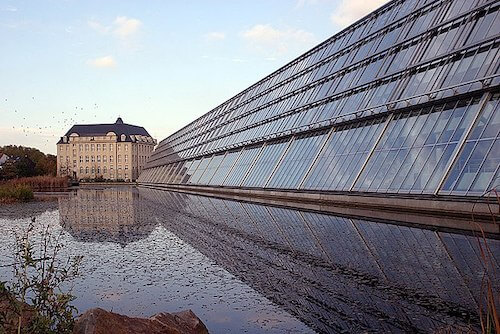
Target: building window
[(104, 170), (81, 170), (98, 158), (92, 147), (81, 159), (110, 158), (111, 147), (104, 158), (93, 170), (119, 158), (126, 147), (86, 147), (92, 159), (126, 158), (98, 147), (80, 147), (86, 158), (104, 147), (126, 167), (118, 147), (98, 169), (86, 170)]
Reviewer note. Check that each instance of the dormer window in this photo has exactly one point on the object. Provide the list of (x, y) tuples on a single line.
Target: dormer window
[(123, 137)]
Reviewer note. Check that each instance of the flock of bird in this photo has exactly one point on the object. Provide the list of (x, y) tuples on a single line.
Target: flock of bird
[(54, 126)]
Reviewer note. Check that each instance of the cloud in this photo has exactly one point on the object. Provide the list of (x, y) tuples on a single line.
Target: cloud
[(214, 36), (125, 27), (349, 11), (103, 62), (122, 27), (97, 26), (9, 8), (267, 39)]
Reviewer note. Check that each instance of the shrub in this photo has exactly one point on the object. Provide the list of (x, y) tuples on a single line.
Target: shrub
[(12, 193), (39, 273)]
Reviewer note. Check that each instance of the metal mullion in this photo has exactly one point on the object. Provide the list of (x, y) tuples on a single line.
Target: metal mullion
[(295, 164), (435, 144), (217, 167), (461, 144), (315, 159), (389, 119), (449, 142), (339, 155), (252, 164), (482, 161), (421, 148), (348, 133), (279, 161), (231, 167), (350, 154), (282, 175), (396, 149), (493, 176), (177, 170)]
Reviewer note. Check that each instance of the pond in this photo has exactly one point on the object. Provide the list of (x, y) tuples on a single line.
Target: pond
[(244, 267)]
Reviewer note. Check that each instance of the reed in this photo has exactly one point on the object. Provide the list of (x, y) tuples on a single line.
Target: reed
[(489, 295), (41, 183)]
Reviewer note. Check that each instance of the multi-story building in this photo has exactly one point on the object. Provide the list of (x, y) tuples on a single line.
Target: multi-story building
[(116, 151), (405, 101)]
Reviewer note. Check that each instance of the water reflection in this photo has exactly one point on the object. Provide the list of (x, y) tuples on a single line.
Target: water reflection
[(333, 273), (336, 273), (105, 214)]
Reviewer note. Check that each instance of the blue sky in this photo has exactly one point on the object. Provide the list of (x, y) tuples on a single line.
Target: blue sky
[(158, 64)]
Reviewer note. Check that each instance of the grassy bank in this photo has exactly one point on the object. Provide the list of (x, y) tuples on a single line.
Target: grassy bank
[(21, 189), (15, 193), (41, 183)]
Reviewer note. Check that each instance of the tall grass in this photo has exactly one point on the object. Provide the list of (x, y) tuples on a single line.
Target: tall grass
[(15, 193), (489, 296), (41, 183)]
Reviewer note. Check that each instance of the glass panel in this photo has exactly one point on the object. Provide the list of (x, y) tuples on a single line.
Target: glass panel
[(211, 169), (339, 159), (240, 168), (416, 149), (476, 165), (224, 168), (297, 161), (200, 170), (265, 163), (190, 170)]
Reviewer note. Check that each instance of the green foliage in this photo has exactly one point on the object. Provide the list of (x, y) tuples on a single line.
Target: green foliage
[(44, 164), (18, 192), (39, 274)]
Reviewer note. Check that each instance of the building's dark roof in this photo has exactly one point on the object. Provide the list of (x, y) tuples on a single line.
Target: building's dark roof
[(86, 130)]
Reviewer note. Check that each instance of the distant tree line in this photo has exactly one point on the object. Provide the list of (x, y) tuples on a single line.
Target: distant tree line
[(26, 162)]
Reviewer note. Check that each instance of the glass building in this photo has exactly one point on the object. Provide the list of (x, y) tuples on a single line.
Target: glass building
[(404, 101)]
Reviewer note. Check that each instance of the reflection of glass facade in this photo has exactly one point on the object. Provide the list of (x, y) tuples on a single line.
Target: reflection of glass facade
[(403, 101), (337, 273)]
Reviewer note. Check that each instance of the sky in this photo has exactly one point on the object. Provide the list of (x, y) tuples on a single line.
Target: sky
[(158, 64)]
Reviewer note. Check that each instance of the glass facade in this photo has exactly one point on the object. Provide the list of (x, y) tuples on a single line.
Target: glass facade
[(403, 101)]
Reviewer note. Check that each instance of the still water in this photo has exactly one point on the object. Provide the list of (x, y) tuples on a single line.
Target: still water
[(244, 267)]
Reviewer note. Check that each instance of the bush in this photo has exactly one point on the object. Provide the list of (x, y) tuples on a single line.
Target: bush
[(18, 192), (39, 274)]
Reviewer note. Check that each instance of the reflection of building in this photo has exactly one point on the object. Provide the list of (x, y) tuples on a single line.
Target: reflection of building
[(110, 214), (337, 273), (404, 101), (110, 151)]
